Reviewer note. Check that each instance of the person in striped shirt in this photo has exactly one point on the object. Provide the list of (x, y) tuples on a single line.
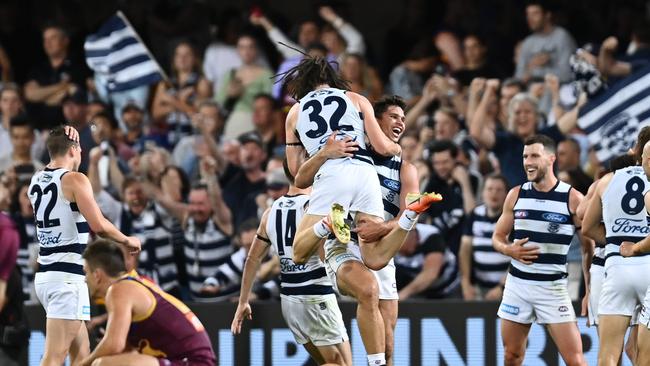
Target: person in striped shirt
[(541, 216), (483, 269)]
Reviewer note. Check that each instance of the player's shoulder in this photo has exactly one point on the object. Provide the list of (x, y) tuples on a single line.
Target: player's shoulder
[(73, 177)]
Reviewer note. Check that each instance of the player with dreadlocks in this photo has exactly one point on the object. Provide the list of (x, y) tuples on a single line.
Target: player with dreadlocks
[(346, 183)]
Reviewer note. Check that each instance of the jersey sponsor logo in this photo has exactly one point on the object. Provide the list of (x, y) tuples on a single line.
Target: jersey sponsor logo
[(45, 178), (510, 309), (521, 214), (287, 204), (392, 184), (45, 237), (627, 226), (554, 217), (287, 265), (553, 227)]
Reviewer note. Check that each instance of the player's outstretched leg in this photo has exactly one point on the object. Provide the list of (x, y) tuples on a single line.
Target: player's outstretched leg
[(377, 255)]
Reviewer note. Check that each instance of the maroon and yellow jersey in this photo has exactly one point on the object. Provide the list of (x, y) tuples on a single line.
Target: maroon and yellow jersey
[(169, 329)]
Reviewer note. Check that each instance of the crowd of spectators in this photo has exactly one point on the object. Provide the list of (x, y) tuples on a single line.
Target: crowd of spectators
[(190, 164)]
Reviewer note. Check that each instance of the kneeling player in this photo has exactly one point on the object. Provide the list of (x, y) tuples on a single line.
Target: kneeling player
[(146, 326)]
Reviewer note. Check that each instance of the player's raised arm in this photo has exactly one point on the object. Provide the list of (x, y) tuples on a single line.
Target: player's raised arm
[(379, 141), (333, 149), (294, 149), (81, 191)]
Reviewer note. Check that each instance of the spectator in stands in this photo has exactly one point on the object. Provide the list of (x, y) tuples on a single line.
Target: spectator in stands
[(11, 105), (6, 70), (21, 160), (308, 33), (568, 161), (247, 182), (362, 78), (523, 118), (105, 132), (138, 131), (453, 182), (483, 270), (207, 126), (239, 87), (411, 146), (407, 79), (176, 104), (476, 61), (547, 49), (339, 36), (207, 227), (268, 122), (425, 267), (48, 83), (279, 89), (277, 185), (79, 115), (225, 282), (23, 215)]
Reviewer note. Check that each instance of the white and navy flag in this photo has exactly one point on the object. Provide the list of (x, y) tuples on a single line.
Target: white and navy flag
[(613, 118), (117, 52)]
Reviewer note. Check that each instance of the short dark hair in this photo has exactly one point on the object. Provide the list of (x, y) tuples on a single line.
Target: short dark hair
[(287, 172), (549, 144), (620, 162), (573, 142), (513, 82), (248, 225), (450, 113), (642, 138), (57, 26), (107, 116), (20, 120), (444, 145), (128, 182), (58, 143), (269, 97), (199, 186), (546, 5), (500, 177), (387, 101), (106, 255)]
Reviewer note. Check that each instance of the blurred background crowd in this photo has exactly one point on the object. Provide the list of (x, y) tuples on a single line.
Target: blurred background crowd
[(189, 164)]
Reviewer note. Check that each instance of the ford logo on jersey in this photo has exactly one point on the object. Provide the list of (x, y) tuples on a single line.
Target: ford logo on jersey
[(554, 217), (630, 226), (391, 184)]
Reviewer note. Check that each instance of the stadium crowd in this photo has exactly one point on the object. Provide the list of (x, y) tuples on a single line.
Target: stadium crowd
[(190, 164)]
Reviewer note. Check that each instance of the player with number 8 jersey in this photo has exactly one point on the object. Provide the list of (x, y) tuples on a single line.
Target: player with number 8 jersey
[(65, 212)]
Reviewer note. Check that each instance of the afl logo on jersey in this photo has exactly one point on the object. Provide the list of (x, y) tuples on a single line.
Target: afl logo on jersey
[(554, 217), (520, 214), (393, 185)]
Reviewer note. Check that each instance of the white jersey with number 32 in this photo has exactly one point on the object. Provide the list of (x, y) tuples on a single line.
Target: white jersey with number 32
[(324, 111)]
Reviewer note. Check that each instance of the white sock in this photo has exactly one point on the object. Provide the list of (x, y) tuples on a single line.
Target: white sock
[(377, 359), (321, 230), (408, 219)]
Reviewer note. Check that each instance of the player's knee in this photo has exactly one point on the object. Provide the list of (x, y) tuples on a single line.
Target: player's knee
[(576, 359), (368, 293), (375, 264), (335, 357), (513, 356), (55, 357)]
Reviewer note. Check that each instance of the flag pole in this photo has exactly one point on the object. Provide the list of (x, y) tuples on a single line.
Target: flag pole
[(137, 36)]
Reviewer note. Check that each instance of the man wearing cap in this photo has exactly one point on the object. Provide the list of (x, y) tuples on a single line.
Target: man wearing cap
[(240, 191), (137, 131)]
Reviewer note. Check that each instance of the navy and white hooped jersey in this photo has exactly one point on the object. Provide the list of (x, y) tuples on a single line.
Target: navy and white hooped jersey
[(61, 230), (205, 250), (305, 279), (624, 214), (488, 265), (544, 218), (325, 110), (388, 171), (599, 257)]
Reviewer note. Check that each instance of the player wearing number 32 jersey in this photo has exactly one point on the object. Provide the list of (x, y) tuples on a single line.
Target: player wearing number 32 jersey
[(65, 212)]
